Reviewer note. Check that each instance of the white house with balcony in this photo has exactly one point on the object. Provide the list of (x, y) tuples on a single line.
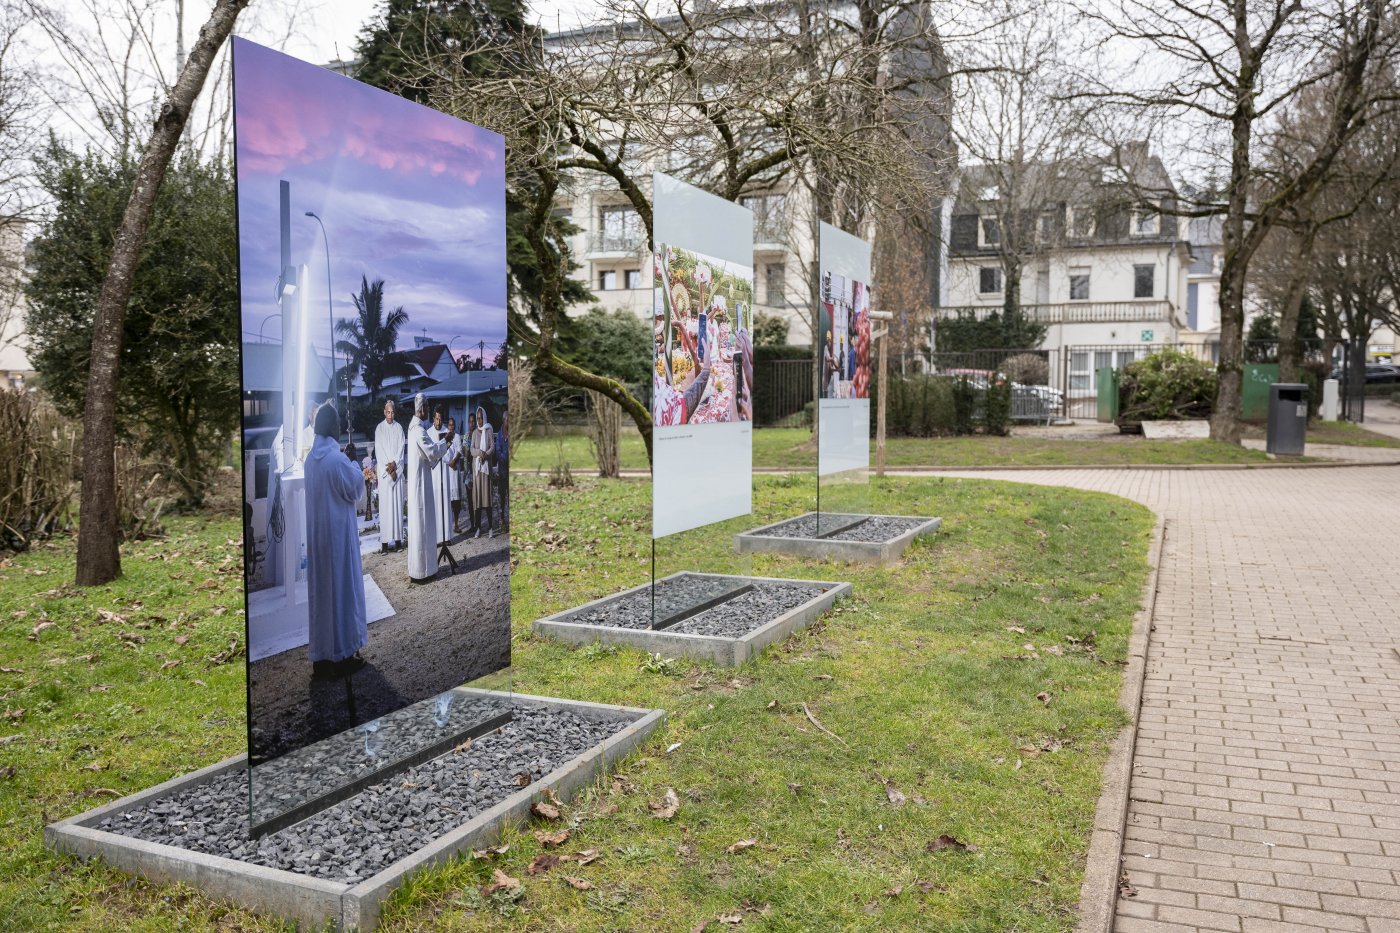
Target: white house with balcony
[(1110, 275)]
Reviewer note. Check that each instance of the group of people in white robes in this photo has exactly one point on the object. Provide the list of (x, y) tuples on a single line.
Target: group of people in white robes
[(425, 475)]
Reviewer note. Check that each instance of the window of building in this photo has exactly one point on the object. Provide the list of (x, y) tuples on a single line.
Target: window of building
[(607, 280), (1193, 306), (1146, 222), (632, 278), (1081, 221), (1079, 284), (1144, 281), (769, 216), (1045, 224), (620, 229), (989, 232), (989, 280), (774, 282)]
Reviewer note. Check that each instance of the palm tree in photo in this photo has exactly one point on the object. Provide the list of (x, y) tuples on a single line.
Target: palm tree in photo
[(367, 340)]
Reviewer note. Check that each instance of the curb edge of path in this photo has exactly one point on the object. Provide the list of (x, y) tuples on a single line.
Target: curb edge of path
[(1098, 894), (635, 473)]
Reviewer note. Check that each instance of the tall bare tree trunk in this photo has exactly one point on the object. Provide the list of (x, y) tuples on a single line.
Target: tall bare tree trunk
[(99, 559), (1288, 362)]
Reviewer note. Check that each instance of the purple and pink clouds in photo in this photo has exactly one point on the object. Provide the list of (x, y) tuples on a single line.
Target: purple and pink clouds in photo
[(407, 194)]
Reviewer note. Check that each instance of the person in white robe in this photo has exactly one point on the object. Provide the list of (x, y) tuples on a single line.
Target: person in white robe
[(455, 457), (444, 475), (483, 447), (335, 588), (390, 454), (423, 454)]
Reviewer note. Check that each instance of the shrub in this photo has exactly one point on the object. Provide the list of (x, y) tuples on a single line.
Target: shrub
[(964, 405), (1029, 369), (1166, 385), (37, 472), (996, 410)]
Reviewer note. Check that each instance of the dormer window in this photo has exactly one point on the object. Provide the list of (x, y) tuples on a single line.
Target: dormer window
[(988, 232), (1146, 222), (1081, 221)]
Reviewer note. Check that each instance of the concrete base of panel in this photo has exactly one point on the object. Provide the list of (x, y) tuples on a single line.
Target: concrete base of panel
[(315, 901), (771, 539)]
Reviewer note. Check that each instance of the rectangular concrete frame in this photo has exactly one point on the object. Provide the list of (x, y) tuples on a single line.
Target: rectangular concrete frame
[(876, 552), (730, 652), (314, 901)]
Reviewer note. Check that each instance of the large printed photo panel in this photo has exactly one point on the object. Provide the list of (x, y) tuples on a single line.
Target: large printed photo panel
[(375, 441), (702, 397), (843, 355)]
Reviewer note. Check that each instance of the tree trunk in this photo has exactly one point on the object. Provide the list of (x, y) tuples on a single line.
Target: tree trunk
[(99, 559), (1225, 418), (1288, 361)]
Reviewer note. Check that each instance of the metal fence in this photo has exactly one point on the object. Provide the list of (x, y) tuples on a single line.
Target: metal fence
[(782, 390)]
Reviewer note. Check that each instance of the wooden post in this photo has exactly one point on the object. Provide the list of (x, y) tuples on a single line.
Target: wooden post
[(882, 334)]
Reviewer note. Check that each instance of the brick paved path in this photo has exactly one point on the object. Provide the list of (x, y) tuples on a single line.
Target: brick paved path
[(1266, 782)]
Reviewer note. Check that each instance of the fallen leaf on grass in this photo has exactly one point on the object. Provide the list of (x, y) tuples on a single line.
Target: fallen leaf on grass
[(772, 704), (822, 677), (946, 841), (99, 688), (173, 662), (542, 862), (795, 788), (95, 766), (46, 624), (586, 857), (892, 793), (1016, 628), (550, 840), (578, 884), (741, 845), (500, 881), (487, 853), (15, 714), (730, 918), (1043, 697), (10, 670), (667, 807), (895, 891), (181, 639), (7, 772), (545, 811)]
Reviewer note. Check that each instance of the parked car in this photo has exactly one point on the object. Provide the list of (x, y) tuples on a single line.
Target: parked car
[(1376, 374)]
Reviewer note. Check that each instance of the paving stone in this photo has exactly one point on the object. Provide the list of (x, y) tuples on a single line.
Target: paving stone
[(1273, 664)]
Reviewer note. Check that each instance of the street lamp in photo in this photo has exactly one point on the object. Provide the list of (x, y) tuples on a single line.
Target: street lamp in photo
[(330, 319), (450, 354)]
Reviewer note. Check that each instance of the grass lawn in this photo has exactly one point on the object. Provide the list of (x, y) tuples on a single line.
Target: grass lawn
[(1336, 432), (792, 448), (934, 699)]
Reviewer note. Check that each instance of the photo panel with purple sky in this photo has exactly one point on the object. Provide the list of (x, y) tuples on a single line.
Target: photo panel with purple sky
[(372, 271)]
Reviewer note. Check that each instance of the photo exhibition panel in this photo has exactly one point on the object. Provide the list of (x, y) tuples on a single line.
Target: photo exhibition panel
[(375, 439), (843, 355), (702, 396)]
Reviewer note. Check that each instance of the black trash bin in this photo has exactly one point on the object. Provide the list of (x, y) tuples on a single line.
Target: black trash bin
[(1288, 418)]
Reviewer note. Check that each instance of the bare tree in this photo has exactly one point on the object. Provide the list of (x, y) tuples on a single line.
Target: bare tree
[(1029, 151), (1217, 75), (22, 114), (99, 559), (732, 99)]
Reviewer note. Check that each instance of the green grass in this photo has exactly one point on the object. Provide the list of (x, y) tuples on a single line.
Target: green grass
[(792, 448), (917, 674), (1344, 433)]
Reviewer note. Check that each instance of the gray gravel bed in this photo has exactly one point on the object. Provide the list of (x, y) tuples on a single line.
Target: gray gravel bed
[(357, 838), (733, 618), (285, 783), (877, 528)]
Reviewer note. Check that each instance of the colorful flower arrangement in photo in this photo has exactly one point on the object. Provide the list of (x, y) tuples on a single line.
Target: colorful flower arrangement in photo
[(701, 327)]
